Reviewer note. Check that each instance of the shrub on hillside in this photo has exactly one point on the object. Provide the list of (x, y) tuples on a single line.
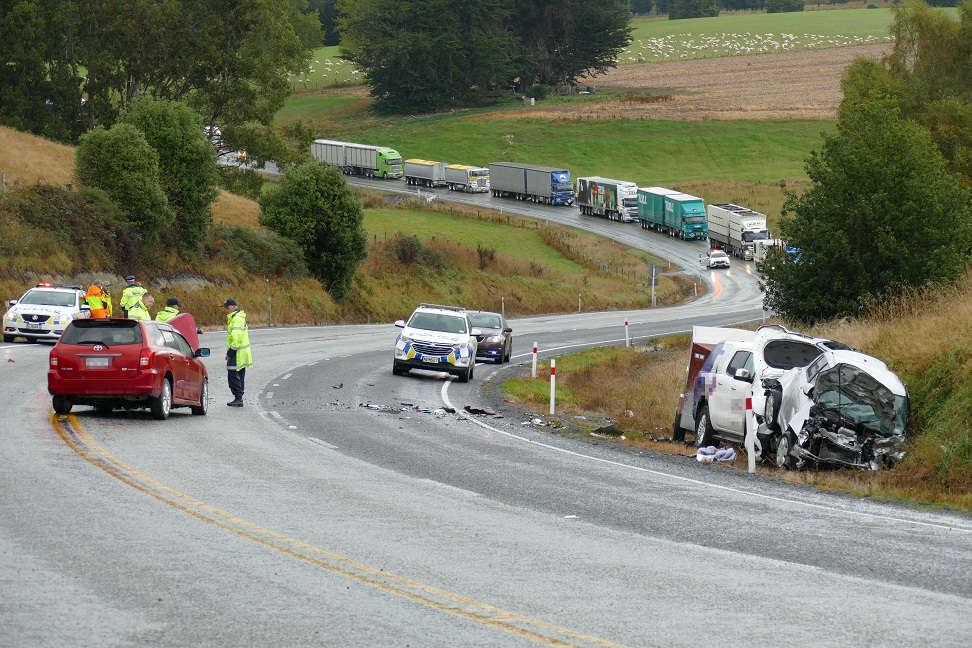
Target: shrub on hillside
[(122, 163), (409, 250), (257, 252), (314, 206), (188, 174), (87, 227), (242, 182)]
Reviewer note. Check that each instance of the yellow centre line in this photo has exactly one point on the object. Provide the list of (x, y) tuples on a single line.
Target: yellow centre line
[(480, 612)]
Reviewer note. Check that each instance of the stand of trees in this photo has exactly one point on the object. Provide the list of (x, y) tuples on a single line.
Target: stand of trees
[(228, 61), (420, 55)]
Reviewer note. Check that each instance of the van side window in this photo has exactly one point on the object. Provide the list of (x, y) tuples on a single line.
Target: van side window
[(741, 360)]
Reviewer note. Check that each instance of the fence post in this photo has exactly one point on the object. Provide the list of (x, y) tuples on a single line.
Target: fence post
[(553, 385)]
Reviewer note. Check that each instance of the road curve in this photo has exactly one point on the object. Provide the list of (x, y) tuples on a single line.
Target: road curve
[(343, 506)]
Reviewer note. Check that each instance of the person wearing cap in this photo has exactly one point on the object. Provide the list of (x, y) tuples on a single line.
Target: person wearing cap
[(98, 299), (238, 354), (171, 309), (139, 310), (130, 294)]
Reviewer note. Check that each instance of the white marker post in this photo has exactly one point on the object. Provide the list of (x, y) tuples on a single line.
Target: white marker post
[(750, 436), (533, 374), (553, 385), (627, 339)]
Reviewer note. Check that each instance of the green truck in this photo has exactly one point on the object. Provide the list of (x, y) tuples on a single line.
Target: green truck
[(651, 207), (672, 212)]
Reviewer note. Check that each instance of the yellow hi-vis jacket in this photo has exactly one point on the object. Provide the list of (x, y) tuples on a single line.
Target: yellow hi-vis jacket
[(131, 295), (238, 339), (138, 311), (166, 314)]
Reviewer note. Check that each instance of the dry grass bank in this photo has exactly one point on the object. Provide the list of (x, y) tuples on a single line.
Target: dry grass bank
[(27, 159)]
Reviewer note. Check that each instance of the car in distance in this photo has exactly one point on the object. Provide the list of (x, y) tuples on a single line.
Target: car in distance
[(437, 338), (131, 364), (717, 259), (496, 339), (43, 312)]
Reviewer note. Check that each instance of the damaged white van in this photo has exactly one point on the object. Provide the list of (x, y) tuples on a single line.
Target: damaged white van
[(764, 384)]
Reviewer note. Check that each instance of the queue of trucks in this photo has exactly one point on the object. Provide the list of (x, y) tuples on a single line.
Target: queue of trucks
[(737, 230)]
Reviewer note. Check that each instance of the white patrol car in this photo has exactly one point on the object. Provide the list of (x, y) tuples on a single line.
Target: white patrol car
[(437, 338), (44, 312)]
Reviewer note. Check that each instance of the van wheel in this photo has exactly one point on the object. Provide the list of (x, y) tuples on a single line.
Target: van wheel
[(62, 404), (703, 428), (203, 407), (162, 405), (783, 447), (8, 339)]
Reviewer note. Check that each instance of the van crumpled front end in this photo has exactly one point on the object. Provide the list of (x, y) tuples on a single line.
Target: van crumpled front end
[(855, 421)]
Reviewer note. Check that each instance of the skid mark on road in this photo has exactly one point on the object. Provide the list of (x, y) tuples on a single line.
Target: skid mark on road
[(546, 634)]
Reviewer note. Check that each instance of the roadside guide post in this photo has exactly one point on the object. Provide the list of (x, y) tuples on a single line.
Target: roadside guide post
[(503, 306), (627, 339), (533, 374), (654, 280), (750, 437), (553, 384)]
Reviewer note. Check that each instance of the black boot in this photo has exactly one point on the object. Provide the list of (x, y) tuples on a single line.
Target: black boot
[(236, 402)]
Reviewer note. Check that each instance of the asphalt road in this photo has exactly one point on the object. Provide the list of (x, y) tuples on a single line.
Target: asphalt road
[(341, 507)]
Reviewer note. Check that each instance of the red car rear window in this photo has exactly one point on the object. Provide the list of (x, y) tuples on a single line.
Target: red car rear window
[(101, 331)]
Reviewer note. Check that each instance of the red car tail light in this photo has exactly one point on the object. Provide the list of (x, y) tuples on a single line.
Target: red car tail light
[(145, 358), (53, 359)]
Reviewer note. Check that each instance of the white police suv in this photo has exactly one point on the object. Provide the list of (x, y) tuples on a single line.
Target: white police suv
[(44, 312), (437, 338)]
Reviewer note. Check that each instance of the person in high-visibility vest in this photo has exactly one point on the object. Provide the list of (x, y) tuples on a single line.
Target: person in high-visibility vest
[(98, 299), (238, 354), (139, 310), (171, 309), (130, 294)]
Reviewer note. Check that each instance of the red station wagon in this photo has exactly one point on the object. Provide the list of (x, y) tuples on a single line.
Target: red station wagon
[(126, 363)]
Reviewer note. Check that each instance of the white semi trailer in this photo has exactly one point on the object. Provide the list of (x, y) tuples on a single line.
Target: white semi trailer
[(425, 173), (735, 229)]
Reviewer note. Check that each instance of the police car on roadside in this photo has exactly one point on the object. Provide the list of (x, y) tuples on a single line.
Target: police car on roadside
[(43, 312), (437, 338)]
